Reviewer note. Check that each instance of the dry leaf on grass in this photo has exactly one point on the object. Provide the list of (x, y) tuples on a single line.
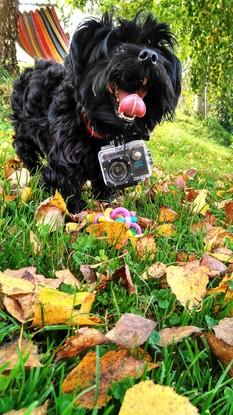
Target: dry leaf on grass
[(229, 212), (216, 238), (36, 245), (175, 334), (224, 287), (39, 410), (199, 204), (155, 271), (66, 276), (114, 366), (123, 273), (167, 230), (84, 339), (147, 398), (26, 194), (167, 215), (19, 178), (51, 212), (223, 254), (220, 349), (224, 330), (214, 265), (11, 166), (10, 353), (131, 330), (12, 285), (115, 233), (188, 283), (88, 273), (20, 306), (146, 247), (146, 223), (55, 307)]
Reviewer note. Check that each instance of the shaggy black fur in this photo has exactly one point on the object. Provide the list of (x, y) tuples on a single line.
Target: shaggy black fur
[(51, 101)]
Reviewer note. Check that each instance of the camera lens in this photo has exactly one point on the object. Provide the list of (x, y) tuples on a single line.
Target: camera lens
[(118, 171)]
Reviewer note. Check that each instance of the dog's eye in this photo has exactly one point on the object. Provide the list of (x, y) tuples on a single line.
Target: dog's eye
[(120, 49)]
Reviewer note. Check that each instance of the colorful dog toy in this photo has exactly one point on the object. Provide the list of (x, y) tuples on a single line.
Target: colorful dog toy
[(119, 214)]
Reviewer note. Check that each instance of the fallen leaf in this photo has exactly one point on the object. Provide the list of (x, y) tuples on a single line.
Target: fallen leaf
[(36, 245), (75, 227), (188, 284), (214, 265), (146, 223), (223, 254), (55, 307), (19, 178), (102, 282), (224, 330), (66, 276), (229, 212), (222, 204), (199, 204), (88, 273), (156, 271), (39, 410), (10, 354), (216, 237), (12, 285), (220, 349), (115, 233), (167, 230), (176, 334), (182, 257), (148, 398), (51, 212), (84, 339), (114, 366), (123, 273), (167, 215), (11, 166), (26, 194), (191, 194), (146, 247), (20, 306), (131, 330), (224, 287)]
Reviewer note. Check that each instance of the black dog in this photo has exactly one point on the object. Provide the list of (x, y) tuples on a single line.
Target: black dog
[(66, 113)]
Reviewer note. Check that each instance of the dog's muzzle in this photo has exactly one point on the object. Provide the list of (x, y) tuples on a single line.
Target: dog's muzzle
[(148, 55)]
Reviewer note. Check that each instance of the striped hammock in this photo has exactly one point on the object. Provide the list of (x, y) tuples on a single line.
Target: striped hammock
[(41, 35)]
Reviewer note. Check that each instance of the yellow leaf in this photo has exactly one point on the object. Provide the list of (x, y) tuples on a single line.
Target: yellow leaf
[(115, 233), (56, 307), (51, 212), (167, 214), (199, 204), (188, 283), (148, 398), (167, 230), (36, 245), (26, 194), (146, 247)]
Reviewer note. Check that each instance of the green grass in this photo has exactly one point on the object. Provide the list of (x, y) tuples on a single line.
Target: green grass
[(189, 367)]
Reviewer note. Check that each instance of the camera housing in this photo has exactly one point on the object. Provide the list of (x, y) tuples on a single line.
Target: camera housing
[(125, 165)]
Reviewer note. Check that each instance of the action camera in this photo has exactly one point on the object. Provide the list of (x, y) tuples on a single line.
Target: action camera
[(125, 165)]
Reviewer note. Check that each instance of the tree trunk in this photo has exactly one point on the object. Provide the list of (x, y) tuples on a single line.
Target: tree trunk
[(8, 34), (201, 104)]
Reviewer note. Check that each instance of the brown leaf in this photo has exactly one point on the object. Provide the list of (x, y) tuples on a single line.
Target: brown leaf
[(146, 223), (146, 247), (220, 349), (167, 215), (214, 265), (131, 330), (20, 306), (229, 212), (88, 273), (183, 257), (224, 330), (102, 282), (114, 366), (66, 276), (51, 212), (216, 237), (176, 334), (123, 273), (156, 271), (11, 166), (84, 339), (223, 254), (10, 353), (39, 410)]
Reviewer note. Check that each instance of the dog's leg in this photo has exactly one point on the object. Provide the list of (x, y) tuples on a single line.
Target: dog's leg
[(102, 192), (70, 189)]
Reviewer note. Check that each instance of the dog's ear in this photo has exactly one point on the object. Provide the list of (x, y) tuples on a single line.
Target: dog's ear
[(88, 42)]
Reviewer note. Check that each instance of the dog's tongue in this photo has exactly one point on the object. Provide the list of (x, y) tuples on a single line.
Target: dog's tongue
[(131, 105)]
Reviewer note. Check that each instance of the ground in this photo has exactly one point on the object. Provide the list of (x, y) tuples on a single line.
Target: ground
[(189, 366)]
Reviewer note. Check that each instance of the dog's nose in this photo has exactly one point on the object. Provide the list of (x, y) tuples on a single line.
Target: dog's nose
[(148, 54)]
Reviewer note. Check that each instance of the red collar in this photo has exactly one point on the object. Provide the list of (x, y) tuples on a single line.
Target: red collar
[(90, 129)]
